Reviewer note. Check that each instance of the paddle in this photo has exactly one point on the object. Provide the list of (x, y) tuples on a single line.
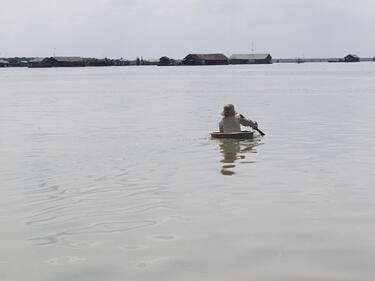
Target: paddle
[(259, 131)]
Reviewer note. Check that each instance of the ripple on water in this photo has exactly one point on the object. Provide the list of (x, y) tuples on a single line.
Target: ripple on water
[(65, 260), (163, 237), (78, 244), (159, 261), (97, 228), (133, 247)]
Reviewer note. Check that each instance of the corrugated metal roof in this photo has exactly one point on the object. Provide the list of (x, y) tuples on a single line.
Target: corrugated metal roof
[(353, 55), (209, 56), (37, 59), (68, 59), (249, 56)]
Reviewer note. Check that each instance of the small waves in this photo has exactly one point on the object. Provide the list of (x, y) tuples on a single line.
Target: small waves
[(114, 202), (98, 228)]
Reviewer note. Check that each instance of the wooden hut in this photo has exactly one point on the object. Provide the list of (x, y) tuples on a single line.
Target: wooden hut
[(4, 63), (205, 59), (351, 58), (250, 59)]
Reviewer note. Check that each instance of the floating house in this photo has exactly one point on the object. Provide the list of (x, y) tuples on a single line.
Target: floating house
[(121, 62), (99, 62), (4, 63), (351, 58), (23, 63), (66, 61), (57, 62), (250, 59), (150, 62), (38, 62), (205, 59)]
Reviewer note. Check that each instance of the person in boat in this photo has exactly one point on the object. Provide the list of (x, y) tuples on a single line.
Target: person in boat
[(232, 121)]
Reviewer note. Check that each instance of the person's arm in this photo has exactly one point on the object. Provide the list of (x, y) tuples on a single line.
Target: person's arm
[(247, 122), (221, 126)]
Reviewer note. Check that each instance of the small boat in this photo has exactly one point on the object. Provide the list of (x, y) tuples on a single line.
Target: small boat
[(240, 135)]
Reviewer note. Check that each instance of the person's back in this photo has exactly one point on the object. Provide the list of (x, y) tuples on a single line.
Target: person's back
[(231, 122)]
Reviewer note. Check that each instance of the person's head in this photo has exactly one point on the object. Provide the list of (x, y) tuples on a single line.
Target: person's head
[(228, 110)]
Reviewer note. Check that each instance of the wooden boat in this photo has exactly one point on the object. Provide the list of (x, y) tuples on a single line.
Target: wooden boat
[(240, 135)]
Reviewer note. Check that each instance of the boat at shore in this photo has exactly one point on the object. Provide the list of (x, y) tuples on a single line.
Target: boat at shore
[(239, 135)]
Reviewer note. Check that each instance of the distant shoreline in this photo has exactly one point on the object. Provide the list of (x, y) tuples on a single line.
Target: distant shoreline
[(95, 62)]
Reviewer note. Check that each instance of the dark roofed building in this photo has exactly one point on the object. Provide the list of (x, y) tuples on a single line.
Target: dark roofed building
[(66, 61), (351, 58), (99, 62), (205, 59), (57, 62), (4, 63), (39, 62), (250, 59)]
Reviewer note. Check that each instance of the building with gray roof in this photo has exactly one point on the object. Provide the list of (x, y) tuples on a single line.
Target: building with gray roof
[(250, 59), (57, 62), (351, 58), (205, 59)]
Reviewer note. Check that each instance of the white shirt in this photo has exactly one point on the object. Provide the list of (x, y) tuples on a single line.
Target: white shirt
[(232, 124)]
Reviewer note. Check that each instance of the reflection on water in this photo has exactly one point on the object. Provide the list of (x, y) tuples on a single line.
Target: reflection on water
[(233, 150)]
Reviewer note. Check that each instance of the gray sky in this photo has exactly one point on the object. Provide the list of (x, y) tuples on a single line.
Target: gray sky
[(153, 28)]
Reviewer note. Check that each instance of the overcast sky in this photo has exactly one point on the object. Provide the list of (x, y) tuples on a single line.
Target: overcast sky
[(153, 28)]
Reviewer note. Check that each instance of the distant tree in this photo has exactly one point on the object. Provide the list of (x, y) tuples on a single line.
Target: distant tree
[(138, 61), (165, 61)]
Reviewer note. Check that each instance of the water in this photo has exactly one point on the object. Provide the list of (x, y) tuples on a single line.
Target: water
[(110, 174)]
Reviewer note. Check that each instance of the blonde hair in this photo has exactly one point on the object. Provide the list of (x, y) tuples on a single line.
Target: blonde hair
[(228, 110)]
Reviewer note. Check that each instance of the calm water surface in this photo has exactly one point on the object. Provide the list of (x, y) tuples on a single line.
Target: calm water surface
[(110, 174)]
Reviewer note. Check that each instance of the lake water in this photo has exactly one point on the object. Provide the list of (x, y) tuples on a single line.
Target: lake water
[(110, 174)]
